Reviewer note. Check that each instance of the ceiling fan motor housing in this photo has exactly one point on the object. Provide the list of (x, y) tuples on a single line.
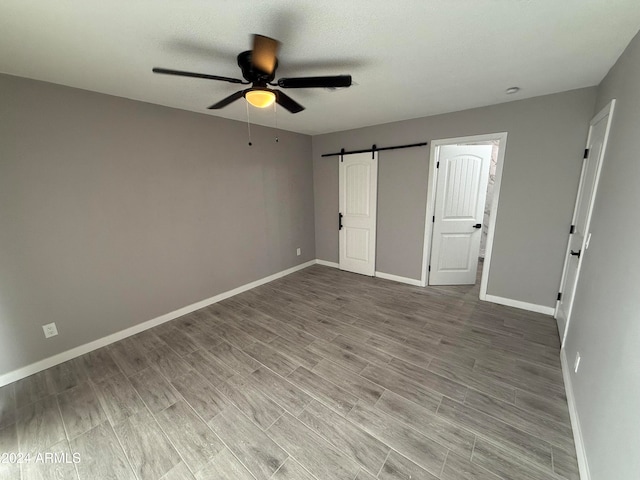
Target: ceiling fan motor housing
[(253, 74)]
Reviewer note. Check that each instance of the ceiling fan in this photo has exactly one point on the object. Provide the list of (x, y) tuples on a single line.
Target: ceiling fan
[(258, 69)]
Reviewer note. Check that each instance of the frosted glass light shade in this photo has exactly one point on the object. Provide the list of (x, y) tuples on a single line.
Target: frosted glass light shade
[(260, 98)]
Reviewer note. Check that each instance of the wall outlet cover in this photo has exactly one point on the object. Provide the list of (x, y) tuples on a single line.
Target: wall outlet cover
[(298, 252), (50, 330)]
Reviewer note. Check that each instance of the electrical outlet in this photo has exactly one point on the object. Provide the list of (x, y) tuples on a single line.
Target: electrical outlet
[(576, 365), (298, 251), (50, 330)]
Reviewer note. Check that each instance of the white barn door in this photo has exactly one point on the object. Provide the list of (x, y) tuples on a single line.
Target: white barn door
[(358, 205), (461, 190)]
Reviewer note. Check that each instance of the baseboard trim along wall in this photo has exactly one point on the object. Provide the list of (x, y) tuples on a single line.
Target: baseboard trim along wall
[(532, 307), (489, 298), (397, 278), (583, 466), (386, 276), (114, 337), (328, 264)]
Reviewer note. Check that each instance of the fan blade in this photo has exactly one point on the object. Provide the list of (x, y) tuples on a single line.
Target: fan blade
[(264, 53), (196, 75), (226, 101), (316, 82), (287, 102)]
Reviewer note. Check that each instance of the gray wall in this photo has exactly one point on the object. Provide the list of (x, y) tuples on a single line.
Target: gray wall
[(539, 183), (113, 212), (605, 325)]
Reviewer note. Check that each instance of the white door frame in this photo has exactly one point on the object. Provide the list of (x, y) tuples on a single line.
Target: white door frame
[(606, 110), (431, 201)]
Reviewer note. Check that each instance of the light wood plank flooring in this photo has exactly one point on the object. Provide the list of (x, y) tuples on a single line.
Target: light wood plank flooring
[(321, 375)]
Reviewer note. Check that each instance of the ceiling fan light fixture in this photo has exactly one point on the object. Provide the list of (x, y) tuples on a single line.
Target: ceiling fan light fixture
[(260, 98), (258, 67)]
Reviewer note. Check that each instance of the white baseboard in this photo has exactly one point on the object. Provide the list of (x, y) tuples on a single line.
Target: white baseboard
[(114, 337), (328, 264), (575, 421), (386, 276), (101, 342), (397, 278), (532, 307)]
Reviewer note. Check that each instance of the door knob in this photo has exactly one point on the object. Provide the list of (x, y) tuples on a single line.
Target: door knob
[(477, 225), (576, 254)]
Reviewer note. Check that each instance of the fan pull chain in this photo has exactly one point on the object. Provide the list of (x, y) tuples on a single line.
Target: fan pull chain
[(248, 123), (275, 116)]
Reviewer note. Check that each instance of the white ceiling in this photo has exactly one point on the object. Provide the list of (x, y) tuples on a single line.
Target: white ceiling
[(409, 58)]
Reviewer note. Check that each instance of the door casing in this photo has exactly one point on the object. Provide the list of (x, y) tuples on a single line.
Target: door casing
[(431, 199)]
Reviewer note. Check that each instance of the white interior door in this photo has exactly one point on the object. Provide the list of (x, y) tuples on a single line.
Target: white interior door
[(461, 190), (358, 205), (579, 237)]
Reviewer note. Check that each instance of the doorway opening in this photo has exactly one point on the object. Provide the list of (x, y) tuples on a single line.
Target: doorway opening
[(462, 205)]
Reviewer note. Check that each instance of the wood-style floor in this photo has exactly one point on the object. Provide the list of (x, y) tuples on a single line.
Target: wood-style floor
[(319, 375)]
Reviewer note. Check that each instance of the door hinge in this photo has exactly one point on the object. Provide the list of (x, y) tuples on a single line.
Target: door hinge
[(572, 229), (429, 267), (438, 165), (559, 296), (586, 153), (433, 219), (342, 154), (339, 221)]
